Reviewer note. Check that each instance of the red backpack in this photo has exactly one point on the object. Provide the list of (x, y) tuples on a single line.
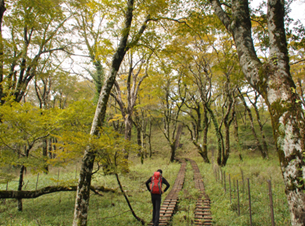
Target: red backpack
[(156, 183)]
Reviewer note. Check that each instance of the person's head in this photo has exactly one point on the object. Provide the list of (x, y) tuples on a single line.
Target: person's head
[(159, 170)]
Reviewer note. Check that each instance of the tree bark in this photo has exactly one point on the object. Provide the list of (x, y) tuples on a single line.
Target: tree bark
[(273, 81)]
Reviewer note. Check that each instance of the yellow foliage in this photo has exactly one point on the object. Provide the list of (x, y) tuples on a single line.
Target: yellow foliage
[(109, 148), (116, 117)]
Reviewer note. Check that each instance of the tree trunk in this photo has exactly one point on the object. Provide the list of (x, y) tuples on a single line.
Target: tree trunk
[(2, 10), (149, 138), (173, 152), (219, 136), (227, 145), (265, 146), (143, 136), (236, 135), (20, 185), (258, 144), (50, 148), (45, 154), (84, 182), (205, 131), (175, 144), (204, 151), (274, 82), (128, 127), (139, 138), (54, 148), (83, 194)]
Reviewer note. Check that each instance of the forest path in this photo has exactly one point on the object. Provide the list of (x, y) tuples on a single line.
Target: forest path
[(203, 214)]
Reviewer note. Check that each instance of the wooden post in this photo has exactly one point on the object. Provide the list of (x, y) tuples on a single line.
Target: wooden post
[(243, 180), (37, 180), (224, 181), (237, 190), (230, 188), (249, 194), (271, 203)]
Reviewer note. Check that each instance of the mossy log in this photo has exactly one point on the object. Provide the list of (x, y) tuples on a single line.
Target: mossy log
[(48, 190)]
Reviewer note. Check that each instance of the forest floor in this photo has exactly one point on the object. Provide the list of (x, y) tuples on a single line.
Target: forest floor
[(112, 209)]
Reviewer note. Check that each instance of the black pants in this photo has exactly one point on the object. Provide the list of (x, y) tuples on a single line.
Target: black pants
[(156, 201)]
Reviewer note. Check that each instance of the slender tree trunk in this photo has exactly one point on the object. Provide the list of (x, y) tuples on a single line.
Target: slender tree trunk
[(149, 138), (45, 154), (265, 146), (84, 182), (54, 148), (258, 144), (50, 148), (128, 127), (20, 185), (204, 154), (227, 145), (139, 138), (83, 194), (175, 144), (236, 135), (173, 152), (274, 82), (220, 145), (144, 135), (2, 10)]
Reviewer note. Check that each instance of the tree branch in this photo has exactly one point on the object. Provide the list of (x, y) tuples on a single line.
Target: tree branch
[(122, 190), (47, 190)]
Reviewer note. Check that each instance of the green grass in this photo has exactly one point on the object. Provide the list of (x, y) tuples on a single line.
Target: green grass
[(258, 171), (111, 209)]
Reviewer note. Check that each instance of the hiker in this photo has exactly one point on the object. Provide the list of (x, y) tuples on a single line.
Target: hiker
[(155, 188)]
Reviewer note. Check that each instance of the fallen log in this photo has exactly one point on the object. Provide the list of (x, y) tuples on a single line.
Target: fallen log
[(48, 190)]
